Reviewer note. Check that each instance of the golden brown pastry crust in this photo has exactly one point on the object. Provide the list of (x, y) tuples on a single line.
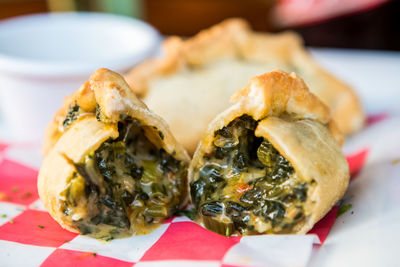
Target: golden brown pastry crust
[(234, 39), (82, 138), (299, 126), (110, 91), (112, 94)]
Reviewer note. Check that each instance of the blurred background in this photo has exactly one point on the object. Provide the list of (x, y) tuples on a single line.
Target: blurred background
[(364, 24), (45, 57)]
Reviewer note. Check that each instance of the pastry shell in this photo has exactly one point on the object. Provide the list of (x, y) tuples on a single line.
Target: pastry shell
[(108, 91), (180, 86), (299, 126)]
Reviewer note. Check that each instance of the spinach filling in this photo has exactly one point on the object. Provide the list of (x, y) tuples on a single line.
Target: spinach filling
[(72, 115), (245, 186), (128, 184)]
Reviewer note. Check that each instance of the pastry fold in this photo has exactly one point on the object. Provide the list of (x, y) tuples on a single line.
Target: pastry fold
[(195, 78), (269, 164), (112, 167)]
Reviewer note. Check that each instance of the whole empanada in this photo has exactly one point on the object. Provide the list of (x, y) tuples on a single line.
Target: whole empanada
[(194, 79)]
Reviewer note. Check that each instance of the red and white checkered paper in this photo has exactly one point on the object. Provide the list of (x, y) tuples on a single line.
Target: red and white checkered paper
[(30, 237)]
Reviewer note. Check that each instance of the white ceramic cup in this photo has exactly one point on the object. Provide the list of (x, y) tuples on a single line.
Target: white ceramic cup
[(45, 57)]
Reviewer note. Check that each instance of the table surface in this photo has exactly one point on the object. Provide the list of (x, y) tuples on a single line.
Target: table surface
[(369, 235), (366, 236)]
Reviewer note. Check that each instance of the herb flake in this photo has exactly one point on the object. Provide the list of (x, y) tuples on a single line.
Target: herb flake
[(227, 232), (343, 209), (26, 195), (187, 213), (72, 115)]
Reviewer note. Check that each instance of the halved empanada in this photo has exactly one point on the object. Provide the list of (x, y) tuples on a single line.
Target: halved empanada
[(113, 169), (269, 164)]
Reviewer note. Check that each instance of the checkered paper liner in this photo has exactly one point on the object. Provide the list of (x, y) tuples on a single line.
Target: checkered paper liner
[(30, 237)]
